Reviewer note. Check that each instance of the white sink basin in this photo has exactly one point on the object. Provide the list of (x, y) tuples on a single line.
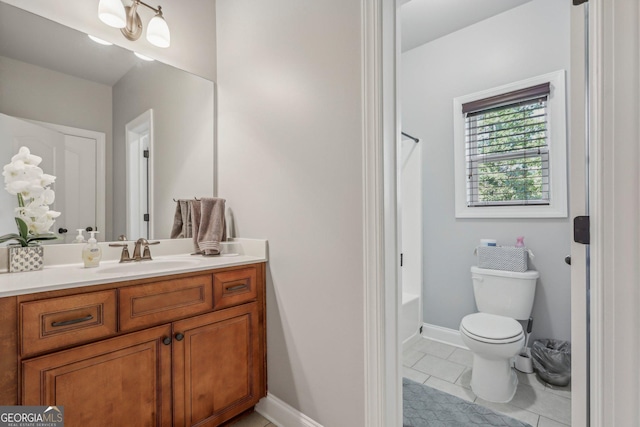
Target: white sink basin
[(147, 266)]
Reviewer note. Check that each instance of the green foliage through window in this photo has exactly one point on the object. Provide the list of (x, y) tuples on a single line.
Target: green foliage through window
[(508, 155)]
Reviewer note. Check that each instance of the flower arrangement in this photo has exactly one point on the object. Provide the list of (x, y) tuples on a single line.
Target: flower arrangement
[(24, 179)]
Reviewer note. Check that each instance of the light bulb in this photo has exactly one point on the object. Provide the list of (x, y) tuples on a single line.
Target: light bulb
[(99, 40), (112, 13), (158, 31), (143, 57)]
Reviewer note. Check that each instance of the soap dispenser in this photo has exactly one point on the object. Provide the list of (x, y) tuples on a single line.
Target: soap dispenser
[(80, 237), (91, 253)]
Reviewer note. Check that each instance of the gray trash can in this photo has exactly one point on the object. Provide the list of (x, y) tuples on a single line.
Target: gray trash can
[(552, 361)]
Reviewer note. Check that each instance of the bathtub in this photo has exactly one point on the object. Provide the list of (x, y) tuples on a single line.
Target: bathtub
[(409, 317)]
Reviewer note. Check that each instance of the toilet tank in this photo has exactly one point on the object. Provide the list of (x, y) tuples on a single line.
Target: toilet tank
[(505, 293)]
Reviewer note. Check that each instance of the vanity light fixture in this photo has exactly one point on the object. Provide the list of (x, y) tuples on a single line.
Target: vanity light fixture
[(143, 57), (99, 40), (115, 14)]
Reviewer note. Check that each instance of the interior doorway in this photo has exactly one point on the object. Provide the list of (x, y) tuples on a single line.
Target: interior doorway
[(436, 176), (139, 171)]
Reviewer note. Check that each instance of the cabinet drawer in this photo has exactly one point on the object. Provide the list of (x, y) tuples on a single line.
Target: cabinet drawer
[(158, 302), (234, 287), (58, 322)]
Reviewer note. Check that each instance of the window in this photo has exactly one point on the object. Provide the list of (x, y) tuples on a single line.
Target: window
[(511, 150), (507, 154)]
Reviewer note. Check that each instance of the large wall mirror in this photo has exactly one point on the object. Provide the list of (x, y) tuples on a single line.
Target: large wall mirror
[(125, 136)]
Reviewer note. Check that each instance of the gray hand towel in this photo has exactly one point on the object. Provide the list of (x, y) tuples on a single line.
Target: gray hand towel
[(182, 220), (207, 221)]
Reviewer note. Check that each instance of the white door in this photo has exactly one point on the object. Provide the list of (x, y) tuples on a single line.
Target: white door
[(85, 177), (43, 142), (71, 159), (411, 241), (79, 209)]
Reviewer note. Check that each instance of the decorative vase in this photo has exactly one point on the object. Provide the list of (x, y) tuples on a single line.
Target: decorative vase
[(29, 258)]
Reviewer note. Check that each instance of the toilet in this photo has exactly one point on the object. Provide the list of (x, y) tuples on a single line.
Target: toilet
[(493, 335)]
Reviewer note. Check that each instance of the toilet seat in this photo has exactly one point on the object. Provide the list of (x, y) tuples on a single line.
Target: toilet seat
[(491, 328)]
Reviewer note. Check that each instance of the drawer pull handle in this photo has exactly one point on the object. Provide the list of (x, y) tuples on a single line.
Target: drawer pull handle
[(236, 287), (166, 341), (72, 321), (179, 336)]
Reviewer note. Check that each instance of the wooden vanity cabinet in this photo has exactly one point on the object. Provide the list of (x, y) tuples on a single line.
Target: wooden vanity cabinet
[(123, 381), (175, 359), (217, 365)]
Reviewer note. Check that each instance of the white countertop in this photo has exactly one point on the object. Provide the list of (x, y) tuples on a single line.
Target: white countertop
[(66, 276)]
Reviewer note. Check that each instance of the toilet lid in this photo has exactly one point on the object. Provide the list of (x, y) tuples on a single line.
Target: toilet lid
[(491, 326)]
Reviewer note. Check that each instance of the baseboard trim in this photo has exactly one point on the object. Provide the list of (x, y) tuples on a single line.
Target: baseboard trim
[(282, 414), (442, 334), (411, 341)]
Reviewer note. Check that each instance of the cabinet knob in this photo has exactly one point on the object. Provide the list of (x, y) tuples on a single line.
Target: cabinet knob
[(166, 341), (179, 336)]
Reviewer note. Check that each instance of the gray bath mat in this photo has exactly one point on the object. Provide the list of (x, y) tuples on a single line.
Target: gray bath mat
[(424, 406)]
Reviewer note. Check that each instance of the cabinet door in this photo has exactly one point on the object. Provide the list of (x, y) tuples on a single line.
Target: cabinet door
[(123, 381), (218, 365)]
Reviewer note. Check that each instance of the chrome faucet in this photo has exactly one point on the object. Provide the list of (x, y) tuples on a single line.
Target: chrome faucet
[(140, 243)]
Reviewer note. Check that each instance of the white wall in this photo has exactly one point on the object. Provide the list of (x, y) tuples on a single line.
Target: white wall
[(291, 167), (530, 40), (31, 92), (183, 151), (191, 22), (37, 93)]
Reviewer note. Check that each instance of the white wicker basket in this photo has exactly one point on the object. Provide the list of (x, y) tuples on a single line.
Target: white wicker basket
[(507, 258)]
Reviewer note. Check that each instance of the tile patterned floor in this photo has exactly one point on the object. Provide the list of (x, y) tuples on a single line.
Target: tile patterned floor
[(448, 368), (253, 420)]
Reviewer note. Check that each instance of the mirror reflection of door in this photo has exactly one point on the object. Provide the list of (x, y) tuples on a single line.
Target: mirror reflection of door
[(68, 157), (80, 166), (139, 143)]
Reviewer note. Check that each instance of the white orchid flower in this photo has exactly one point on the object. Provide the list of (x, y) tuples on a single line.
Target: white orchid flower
[(33, 211), (33, 173), (48, 196), (46, 180), (36, 201), (40, 226), (32, 191), (25, 155), (24, 179), (16, 187), (53, 214), (13, 171)]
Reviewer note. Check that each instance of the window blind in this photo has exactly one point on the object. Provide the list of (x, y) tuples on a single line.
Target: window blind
[(507, 151)]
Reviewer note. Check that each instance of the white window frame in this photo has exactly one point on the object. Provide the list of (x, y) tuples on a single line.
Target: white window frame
[(557, 131)]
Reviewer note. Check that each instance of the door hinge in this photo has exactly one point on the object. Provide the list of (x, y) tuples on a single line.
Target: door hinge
[(146, 217), (145, 153), (401, 259), (581, 229)]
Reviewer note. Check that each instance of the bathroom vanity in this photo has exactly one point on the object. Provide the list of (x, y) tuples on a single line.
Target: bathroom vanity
[(179, 347)]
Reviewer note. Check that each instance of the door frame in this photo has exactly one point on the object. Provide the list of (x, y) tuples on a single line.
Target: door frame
[(146, 119), (614, 64), (612, 23)]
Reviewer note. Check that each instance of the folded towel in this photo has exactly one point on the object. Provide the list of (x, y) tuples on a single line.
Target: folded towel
[(182, 220), (207, 222)]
